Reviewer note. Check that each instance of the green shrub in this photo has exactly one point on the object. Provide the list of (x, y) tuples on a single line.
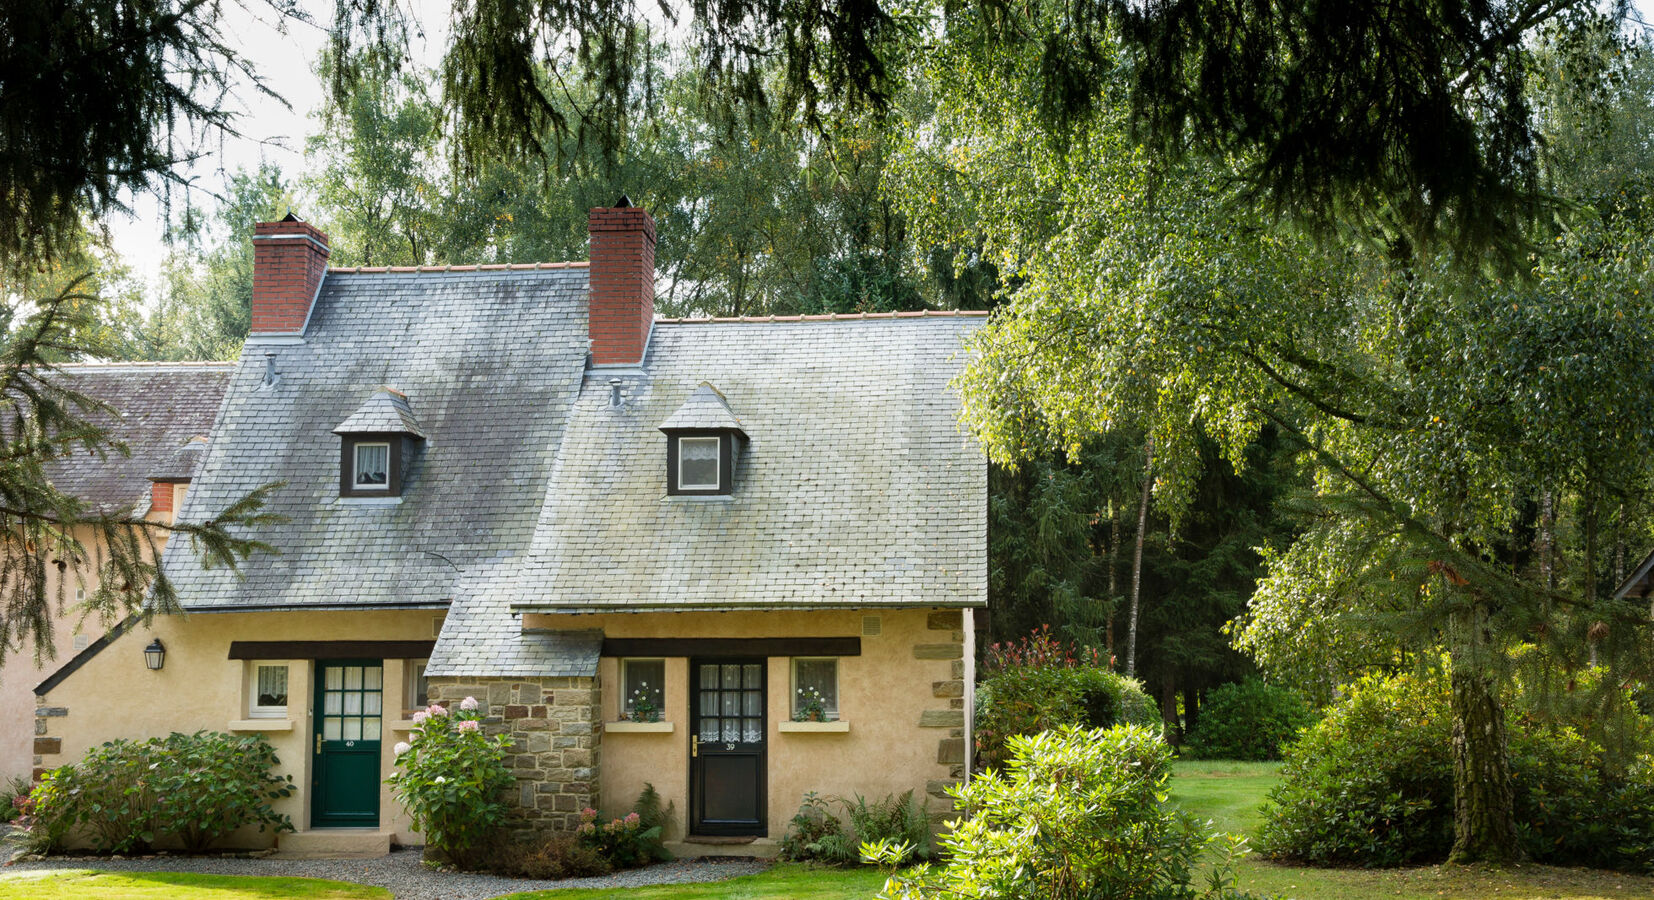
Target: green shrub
[(817, 834), (1076, 814), (1371, 784), (1248, 720), (1039, 683), (560, 856), (125, 795), (632, 840), (451, 781)]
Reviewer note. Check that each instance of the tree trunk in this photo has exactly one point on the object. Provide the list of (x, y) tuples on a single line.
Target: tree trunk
[(1137, 557), (1191, 709), (1484, 804), (1113, 575), (1547, 539), (1168, 712)]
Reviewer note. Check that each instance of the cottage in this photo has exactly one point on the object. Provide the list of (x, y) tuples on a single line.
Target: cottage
[(161, 413), (736, 559)]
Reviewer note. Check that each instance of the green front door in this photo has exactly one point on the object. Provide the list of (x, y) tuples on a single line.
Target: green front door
[(344, 779)]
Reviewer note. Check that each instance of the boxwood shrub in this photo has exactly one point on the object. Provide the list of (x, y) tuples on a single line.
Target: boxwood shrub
[(1248, 720)]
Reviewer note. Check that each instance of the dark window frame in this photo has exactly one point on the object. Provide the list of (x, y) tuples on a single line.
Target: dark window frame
[(726, 462), (347, 464)]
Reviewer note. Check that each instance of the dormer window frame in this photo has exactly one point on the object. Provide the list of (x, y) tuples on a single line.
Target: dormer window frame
[(395, 445), (726, 462)]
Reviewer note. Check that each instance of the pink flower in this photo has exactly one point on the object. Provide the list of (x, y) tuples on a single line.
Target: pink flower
[(468, 704), (632, 818), (420, 717), (469, 725), (436, 710), (401, 748)]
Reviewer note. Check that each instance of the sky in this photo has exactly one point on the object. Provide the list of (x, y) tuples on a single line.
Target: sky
[(276, 133)]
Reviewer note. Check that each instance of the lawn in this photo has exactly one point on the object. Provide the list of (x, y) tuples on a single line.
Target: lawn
[(78, 885), (789, 881), (1231, 794)]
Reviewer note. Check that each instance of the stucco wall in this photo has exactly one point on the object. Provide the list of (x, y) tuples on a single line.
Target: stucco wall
[(903, 699), (19, 673), (115, 696)]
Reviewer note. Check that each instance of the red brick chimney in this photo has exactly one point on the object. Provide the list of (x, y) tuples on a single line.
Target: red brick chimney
[(289, 259), (622, 283)]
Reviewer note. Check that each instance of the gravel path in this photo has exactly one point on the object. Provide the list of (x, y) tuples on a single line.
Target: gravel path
[(403, 874)]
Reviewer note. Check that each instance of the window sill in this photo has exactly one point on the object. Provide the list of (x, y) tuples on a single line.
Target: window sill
[(839, 727), (368, 501), (698, 498), (261, 725), (400, 725), (637, 727)]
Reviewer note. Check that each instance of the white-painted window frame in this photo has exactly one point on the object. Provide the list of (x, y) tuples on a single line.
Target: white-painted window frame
[(356, 463), (256, 710), (717, 462)]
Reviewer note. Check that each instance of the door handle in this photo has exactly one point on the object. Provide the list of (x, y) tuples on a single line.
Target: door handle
[(694, 746), (318, 745)]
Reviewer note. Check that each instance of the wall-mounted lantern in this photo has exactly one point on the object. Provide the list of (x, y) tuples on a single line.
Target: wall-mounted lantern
[(155, 655)]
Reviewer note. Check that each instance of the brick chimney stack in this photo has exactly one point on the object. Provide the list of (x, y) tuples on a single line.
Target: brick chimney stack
[(289, 260), (622, 304)]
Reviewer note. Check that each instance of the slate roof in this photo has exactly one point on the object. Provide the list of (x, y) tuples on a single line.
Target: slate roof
[(159, 408), (386, 412), (856, 487), (705, 408), (491, 362)]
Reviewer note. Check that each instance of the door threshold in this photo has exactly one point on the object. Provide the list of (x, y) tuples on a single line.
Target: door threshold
[(720, 839)]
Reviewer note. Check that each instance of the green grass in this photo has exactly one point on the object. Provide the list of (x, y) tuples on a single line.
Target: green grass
[(789, 881), (80, 884), (1231, 795)]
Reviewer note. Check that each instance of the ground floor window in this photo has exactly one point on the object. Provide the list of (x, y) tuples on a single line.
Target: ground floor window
[(643, 689), (815, 689), (416, 693), (268, 687)]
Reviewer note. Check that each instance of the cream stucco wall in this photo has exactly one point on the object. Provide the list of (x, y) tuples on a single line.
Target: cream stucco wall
[(19, 672), (884, 695), (114, 696)]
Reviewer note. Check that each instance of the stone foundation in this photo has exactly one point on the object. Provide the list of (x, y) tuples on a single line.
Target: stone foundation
[(556, 730)]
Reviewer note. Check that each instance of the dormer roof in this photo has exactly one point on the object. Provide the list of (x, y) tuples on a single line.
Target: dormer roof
[(183, 462), (706, 409), (386, 412)]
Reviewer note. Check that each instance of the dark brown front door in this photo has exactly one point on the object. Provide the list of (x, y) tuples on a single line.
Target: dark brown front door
[(726, 759)]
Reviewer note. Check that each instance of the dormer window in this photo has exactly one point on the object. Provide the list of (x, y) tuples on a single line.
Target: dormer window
[(375, 445), (703, 443), (372, 471)]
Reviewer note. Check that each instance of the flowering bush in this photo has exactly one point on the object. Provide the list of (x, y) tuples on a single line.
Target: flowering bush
[(450, 780), (632, 840), (1040, 683)]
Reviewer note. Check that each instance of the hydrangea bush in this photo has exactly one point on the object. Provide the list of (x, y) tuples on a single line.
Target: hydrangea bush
[(451, 777)]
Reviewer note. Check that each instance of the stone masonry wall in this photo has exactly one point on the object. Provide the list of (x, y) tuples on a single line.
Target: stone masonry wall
[(947, 647), (556, 731)]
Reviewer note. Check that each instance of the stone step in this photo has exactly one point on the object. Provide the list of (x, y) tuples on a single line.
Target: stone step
[(693, 846), (334, 843)]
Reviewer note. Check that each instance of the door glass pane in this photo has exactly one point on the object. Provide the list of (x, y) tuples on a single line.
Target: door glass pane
[(751, 733), (331, 703), (732, 701), (330, 729), (353, 704), (353, 729), (353, 678), (732, 729), (732, 677), (371, 676), (371, 704), (709, 703), (709, 729), (755, 703), (370, 729), (753, 679), (335, 679), (709, 677)]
